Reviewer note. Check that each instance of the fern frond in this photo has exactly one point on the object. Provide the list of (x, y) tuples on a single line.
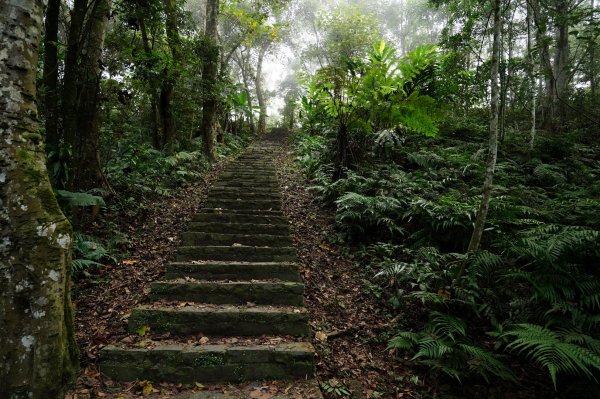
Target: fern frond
[(551, 351)]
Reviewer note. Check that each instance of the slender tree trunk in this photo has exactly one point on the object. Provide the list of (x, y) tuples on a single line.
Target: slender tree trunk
[(503, 78), (51, 94), (243, 64), (532, 80), (561, 62), (542, 42), (493, 141), (38, 354), (260, 95), (593, 82), (170, 76), (209, 78), (155, 122)]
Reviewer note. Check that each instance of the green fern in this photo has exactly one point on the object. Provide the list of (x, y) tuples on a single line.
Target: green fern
[(556, 351), (444, 345)]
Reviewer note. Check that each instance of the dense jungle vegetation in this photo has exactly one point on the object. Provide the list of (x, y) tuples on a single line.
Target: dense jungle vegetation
[(456, 142), (465, 175)]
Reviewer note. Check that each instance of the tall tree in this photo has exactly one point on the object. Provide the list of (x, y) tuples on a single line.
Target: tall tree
[(260, 93), (38, 354), (493, 139), (81, 92), (170, 75), (209, 76), (51, 94)]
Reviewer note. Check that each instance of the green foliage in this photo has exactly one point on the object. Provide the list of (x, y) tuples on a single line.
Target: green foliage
[(374, 99), (70, 199), (88, 251), (444, 346), (560, 351)]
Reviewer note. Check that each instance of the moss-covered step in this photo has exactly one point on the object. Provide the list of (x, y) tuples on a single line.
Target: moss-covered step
[(221, 320), (192, 238), (251, 169), (246, 184), (238, 218), (251, 172), (244, 194), (208, 363), (229, 292), (239, 228), (235, 271), (260, 212), (215, 202), (236, 253)]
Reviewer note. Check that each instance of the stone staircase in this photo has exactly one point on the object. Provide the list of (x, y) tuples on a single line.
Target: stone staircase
[(234, 276)]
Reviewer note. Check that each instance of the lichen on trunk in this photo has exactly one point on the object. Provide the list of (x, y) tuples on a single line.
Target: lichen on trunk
[(38, 355)]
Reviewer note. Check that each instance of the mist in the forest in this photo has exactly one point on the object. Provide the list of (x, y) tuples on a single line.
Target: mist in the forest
[(313, 31)]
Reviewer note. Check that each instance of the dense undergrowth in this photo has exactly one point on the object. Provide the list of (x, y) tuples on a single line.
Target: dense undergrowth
[(406, 204)]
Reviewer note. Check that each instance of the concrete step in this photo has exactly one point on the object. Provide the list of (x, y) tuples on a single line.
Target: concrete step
[(239, 228), (241, 253), (188, 364), (192, 238), (239, 218), (226, 292), (235, 271), (243, 204), (221, 320)]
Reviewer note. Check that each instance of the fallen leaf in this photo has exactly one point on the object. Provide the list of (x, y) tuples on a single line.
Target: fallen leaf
[(321, 336), (143, 330), (147, 389)]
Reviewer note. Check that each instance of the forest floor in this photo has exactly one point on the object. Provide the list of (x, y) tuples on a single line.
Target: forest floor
[(348, 321)]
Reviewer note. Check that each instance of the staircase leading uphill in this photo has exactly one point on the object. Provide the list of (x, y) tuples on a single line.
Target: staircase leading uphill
[(235, 276)]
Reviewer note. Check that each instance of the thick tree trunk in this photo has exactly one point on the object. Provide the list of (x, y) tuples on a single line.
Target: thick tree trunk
[(87, 168), (70, 81), (260, 94), (209, 77), (493, 140), (38, 354), (51, 94), (81, 91)]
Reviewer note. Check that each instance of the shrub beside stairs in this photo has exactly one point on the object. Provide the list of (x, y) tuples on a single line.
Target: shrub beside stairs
[(234, 276)]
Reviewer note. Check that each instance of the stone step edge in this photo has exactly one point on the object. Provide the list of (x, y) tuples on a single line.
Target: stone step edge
[(221, 320), (233, 270), (209, 363), (229, 292)]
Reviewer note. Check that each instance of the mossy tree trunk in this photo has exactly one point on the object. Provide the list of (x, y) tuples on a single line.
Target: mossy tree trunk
[(38, 355)]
